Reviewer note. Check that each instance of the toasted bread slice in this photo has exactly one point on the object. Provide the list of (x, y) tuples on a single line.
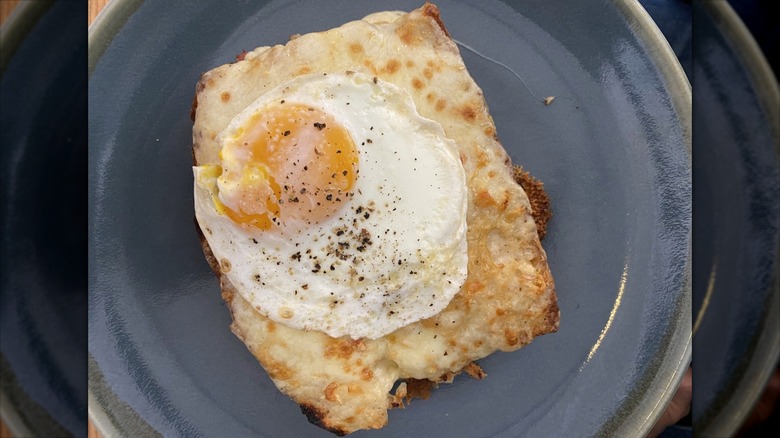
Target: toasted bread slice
[(344, 385)]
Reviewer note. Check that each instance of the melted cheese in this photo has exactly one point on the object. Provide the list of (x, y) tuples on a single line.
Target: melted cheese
[(509, 296)]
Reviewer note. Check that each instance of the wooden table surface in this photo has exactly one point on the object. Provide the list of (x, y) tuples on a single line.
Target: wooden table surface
[(6, 7), (94, 7)]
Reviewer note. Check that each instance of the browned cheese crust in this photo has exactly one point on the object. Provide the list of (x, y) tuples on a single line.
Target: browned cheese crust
[(508, 299), (538, 198)]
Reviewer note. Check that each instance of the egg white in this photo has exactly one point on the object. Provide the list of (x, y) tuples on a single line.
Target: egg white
[(396, 251)]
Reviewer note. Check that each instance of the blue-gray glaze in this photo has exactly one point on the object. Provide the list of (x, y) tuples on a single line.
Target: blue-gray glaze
[(43, 287), (737, 214), (610, 149), (673, 17)]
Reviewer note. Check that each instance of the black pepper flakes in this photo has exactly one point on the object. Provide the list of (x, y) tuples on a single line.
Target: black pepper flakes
[(319, 126), (286, 133)]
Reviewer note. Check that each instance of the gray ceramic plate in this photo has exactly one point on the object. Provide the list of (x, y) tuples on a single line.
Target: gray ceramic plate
[(43, 246), (737, 211), (612, 149)]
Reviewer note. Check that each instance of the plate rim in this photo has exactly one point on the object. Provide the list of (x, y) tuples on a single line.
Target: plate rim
[(11, 417), (114, 16), (752, 59), (20, 23), (680, 93), (737, 406), (15, 28)]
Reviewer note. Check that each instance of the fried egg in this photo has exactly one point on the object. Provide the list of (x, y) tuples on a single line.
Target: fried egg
[(335, 206)]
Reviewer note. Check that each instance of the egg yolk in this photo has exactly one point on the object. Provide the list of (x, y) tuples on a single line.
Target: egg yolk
[(289, 163)]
